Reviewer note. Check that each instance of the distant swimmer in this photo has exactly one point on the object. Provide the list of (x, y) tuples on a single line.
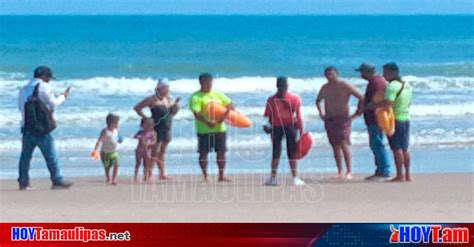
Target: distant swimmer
[(335, 94), (211, 133)]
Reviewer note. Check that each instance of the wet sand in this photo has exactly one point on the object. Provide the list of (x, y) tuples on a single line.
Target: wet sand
[(429, 198)]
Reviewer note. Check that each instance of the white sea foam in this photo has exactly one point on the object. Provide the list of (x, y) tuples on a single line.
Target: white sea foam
[(435, 137), (141, 86), (83, 117)]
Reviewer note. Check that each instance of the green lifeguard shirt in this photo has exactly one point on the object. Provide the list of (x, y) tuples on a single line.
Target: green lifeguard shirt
[(198, 101), (401, 105)]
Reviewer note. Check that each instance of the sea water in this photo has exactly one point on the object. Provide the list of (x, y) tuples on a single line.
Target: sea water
[(112, 62)]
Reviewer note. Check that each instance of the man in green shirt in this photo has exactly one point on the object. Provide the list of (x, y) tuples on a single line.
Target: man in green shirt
[(211, 133), (398, 95)]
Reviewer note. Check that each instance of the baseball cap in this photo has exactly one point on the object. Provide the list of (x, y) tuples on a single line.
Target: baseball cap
[(41, 71), (366, 67)]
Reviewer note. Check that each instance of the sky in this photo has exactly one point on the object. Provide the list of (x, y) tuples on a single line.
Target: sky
[(325, 7)]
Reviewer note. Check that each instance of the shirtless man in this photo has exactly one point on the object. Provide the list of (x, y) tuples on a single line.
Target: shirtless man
[(337, 121)]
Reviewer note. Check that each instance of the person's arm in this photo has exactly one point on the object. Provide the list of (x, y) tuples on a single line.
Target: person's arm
[(389, 97), (299, 118), (195, 107), (46, 94), (268, 112), (360, 106), (153, 140), (20, 106), (99, 140), (201, 118), (227, 102), (318, 104), (138, 108), (175, 107)]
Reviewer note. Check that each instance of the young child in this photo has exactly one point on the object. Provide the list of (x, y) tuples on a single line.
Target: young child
[(109, 138), (146, 139), (337, 119)]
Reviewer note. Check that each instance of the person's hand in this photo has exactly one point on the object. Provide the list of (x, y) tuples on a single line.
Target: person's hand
[(323, 117), (66, 92), (211, 124)]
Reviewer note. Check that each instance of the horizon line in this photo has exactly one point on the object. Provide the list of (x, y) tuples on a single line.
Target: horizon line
[(239, 14)]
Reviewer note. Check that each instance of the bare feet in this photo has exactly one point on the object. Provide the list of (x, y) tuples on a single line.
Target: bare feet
[(339, 176), (397, 179), (113, 183), (162, 177), (224, 180), (349, 176), (408, 178)]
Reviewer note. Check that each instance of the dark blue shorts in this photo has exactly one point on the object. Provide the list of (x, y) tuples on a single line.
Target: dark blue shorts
[(401, 138)]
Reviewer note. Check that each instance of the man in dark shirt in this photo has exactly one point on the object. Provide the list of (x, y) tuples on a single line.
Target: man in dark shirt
[(376, 86)]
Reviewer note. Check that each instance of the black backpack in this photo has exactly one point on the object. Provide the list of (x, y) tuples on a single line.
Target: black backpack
[(38, 118)]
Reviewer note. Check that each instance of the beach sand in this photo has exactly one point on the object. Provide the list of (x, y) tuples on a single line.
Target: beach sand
[(429, 198)]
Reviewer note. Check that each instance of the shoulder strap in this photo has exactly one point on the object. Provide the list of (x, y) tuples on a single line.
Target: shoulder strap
[(36, 90), (401, 89)]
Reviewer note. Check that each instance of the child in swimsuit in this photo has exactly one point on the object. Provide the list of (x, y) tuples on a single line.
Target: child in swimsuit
[(109, 138), (146, 140)]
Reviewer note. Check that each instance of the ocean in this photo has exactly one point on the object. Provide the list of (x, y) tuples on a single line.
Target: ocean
[(112, 62)]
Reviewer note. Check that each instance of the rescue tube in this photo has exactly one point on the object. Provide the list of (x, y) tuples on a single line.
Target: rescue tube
[(386, 119), (216, 111), (385, 116), (303, 146)]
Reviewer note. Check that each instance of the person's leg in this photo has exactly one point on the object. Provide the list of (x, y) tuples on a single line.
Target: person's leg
[(203, 164), (221, 165), (378, 148), (221, 148), (277, 136), (27, 148), (399, 160), (48, 149), (337, 157), (290, 136), (138, 161), (346, 150), (161, 160), (114, 173), (407, 160), (107, 174), (203, 149)]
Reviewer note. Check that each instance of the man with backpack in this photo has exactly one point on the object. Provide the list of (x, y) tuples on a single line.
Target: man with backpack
[(37, 103)]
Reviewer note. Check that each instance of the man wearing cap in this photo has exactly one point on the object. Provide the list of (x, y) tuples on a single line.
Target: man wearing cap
[(211, 132), (42, 76), (376, 85), (398, 95)]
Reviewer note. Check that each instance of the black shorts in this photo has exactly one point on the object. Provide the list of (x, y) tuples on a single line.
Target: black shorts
[(212, 142), (401, 138), (277, 136)]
